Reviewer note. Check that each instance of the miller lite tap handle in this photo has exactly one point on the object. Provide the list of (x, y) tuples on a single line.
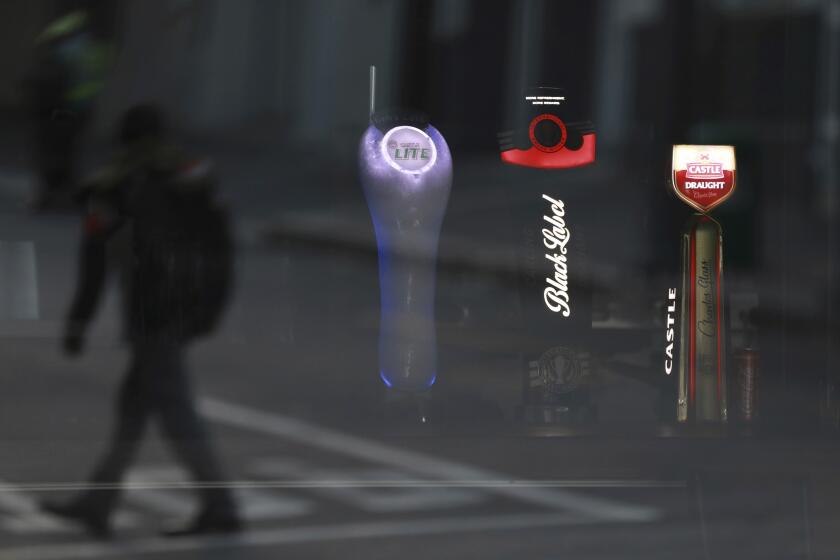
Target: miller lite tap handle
[(405, 169)]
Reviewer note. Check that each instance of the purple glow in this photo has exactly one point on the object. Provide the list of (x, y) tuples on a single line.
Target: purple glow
[(407, 207)]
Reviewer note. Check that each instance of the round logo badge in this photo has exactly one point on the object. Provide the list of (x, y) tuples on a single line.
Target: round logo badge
[(560, 370), (409, 149), (547, 133)]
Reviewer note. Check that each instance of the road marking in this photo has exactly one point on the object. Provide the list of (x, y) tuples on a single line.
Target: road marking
[(254, 505), (437, 474), (261, 506), (296, 535), (155, 499), (390, 499), (18, 280), (311, 435), (22, 515)]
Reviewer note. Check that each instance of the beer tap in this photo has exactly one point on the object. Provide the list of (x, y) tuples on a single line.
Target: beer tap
[(406, 172)]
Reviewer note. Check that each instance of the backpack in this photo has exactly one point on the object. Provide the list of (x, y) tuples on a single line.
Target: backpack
[(182, 267)]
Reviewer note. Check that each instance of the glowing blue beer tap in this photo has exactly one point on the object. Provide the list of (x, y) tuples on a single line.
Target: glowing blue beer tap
[(406, 173)]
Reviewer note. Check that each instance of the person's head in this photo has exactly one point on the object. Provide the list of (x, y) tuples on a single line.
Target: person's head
[(142, 124)]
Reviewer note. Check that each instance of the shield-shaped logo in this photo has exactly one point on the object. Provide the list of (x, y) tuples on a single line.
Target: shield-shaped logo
[(703, 176)]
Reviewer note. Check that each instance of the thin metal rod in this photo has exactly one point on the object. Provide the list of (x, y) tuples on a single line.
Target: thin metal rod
[(372, 90)]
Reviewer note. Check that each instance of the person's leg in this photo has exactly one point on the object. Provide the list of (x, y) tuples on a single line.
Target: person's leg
[(94, 506), (184, 430), (133, 408)]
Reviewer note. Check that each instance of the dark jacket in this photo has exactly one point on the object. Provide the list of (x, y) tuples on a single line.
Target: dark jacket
[(136, 210)]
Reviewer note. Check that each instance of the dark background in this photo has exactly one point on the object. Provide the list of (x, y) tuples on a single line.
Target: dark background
[(276, 92)]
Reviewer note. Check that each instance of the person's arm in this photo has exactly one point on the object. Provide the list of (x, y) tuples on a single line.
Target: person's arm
[(100, 223)]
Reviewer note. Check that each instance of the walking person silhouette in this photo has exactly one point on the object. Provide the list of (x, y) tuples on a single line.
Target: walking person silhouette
[(176, 255)]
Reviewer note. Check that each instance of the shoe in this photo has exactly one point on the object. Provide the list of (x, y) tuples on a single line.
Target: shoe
[(96, 522), (208, 523)]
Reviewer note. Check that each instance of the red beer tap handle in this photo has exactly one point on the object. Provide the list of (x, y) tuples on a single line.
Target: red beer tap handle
[(561, 159)]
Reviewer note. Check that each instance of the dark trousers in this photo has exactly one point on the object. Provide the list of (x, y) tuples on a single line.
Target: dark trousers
[(157, 386)]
